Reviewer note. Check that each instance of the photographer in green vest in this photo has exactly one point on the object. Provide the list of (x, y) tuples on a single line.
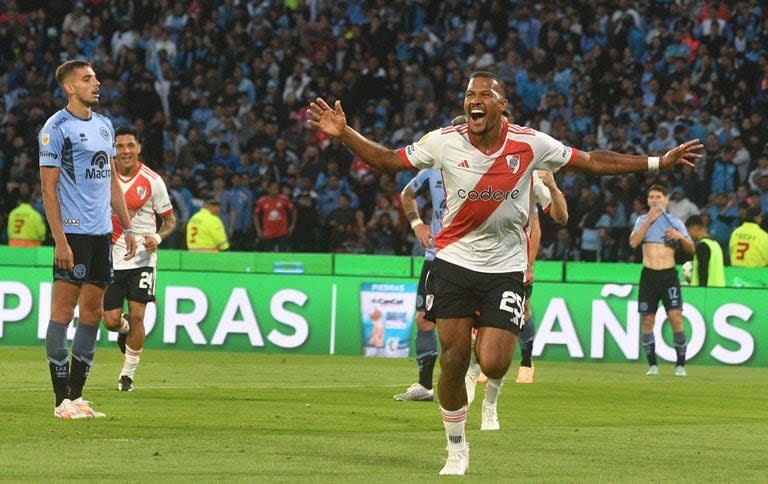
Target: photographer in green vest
[(708, 267)]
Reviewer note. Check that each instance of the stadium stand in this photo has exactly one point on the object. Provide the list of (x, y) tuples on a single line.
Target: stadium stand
[(219, 88)]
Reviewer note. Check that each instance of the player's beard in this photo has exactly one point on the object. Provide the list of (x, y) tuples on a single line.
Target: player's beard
[(89, 101), (486, 130)]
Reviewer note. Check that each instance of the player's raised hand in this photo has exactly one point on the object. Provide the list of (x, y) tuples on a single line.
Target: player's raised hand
[(673, 234), (330, 120), (547, 179), (681, 155), (654, 213)]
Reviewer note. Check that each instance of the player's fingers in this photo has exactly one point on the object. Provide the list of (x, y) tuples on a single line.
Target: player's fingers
[(315, 110), (692, 142), (338, 107), (323, 105)]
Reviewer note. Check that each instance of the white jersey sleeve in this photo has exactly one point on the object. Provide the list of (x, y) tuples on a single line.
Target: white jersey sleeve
[(425, 153), (552, 154), (161, 202), (541, 193)]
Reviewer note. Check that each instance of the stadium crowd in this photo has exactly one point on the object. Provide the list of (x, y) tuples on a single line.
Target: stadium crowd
[(218, 91)]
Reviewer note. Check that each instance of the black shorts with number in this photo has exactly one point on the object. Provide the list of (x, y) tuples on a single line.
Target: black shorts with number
[(528, 291), (456, 292), (421, 290), (132, 284), (92, 260), (659, 285)]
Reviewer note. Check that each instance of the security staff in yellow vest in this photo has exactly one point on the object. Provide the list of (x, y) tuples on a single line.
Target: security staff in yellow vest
[(708, 266), (25, 224), (205, 230), (749, 242)]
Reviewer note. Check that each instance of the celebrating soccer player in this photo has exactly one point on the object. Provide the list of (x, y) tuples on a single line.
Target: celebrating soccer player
[(146, 197), (481, 253)]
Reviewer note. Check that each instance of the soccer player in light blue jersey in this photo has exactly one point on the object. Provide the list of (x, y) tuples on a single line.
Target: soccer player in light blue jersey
[(76, 150), (660, 234), (426, 181)]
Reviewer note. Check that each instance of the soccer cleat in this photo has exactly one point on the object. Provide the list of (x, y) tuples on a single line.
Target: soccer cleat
[(680, 371), (84, 407), (67, 410), (416, 392), (490, 417), (525, 374), (457, 463), (125, 384), (653, 370), (122, 337)]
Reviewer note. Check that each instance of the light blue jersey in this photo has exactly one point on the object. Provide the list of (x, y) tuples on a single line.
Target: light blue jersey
[(82, 149), (655, 233), (431, 180)]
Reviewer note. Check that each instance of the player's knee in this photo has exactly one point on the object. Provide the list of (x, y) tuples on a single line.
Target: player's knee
[(63, 314), (495, 368), (454, 359), (424, 324), (648, 322), (111, 320)]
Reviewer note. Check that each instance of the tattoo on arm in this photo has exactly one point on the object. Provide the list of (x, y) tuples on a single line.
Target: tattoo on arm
[(411, 215)]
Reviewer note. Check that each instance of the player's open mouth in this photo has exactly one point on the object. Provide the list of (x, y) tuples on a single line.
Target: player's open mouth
[(476, 114)]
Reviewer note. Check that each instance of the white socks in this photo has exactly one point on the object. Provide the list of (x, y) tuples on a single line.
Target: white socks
[(455, 424), (132, 358), (492, 390)]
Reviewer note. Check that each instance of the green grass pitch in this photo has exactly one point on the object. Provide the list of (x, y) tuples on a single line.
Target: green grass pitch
[(210, 416)]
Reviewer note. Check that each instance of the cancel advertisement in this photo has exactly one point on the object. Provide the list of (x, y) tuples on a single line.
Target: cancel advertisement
[(322, 315)]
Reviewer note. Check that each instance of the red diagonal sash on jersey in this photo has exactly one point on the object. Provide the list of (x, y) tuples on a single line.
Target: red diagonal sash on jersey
[(499, 177), (136, 196)]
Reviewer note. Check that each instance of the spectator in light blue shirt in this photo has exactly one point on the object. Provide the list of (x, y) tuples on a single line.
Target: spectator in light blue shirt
[(237, 213), (724, 217)]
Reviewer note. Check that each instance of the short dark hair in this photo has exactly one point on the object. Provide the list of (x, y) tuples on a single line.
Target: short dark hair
[(752, 214), (490, 75), (64, 70), (127, 130), (695, 221), (658, 188)]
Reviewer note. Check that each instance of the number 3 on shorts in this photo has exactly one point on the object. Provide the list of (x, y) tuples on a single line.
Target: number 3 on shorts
[(512, 303)]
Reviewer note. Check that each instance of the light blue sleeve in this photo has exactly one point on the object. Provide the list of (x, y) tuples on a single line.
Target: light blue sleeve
[(419, 183), (50, 143)]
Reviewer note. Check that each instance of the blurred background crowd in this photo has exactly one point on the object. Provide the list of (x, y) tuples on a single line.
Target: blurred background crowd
[(218, 92)]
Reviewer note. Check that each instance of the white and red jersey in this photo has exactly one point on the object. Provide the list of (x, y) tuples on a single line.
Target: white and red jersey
[(488, 194), (145, 195)]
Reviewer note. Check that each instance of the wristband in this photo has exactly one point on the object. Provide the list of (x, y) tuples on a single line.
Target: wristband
[(653, 164), (130, 230), (415, 222), (157, 238)]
